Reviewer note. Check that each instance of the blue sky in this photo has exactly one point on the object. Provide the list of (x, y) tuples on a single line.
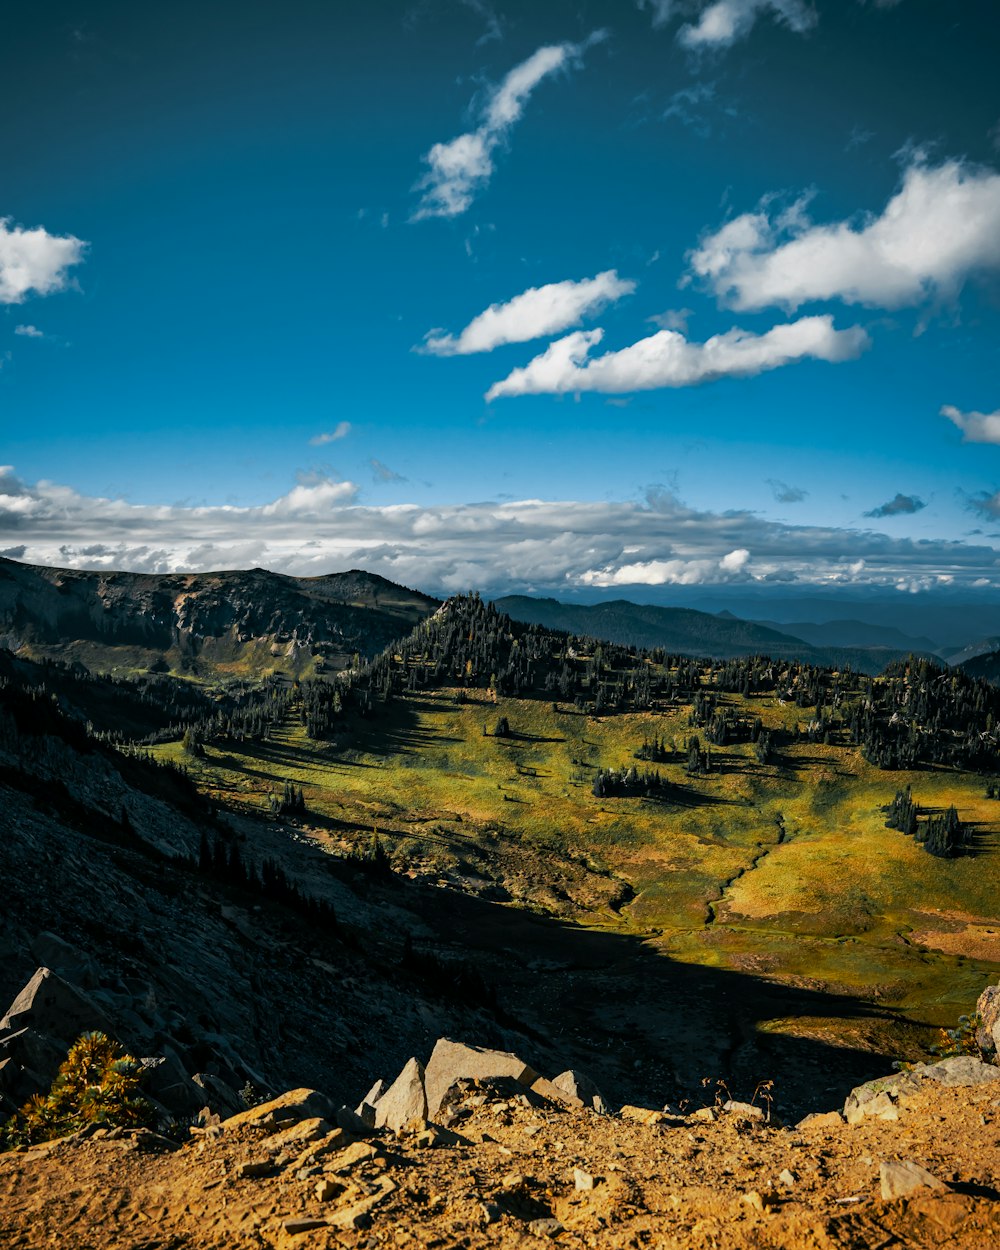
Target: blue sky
[(748, 252)]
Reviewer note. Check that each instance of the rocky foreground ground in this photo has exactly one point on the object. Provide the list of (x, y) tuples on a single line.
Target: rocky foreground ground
[(477, 1150)]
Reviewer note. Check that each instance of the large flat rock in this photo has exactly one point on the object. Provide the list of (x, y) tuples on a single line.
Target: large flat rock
[(454, 1061)]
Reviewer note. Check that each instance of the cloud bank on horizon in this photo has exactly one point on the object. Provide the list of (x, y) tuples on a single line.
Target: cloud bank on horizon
[(497, 546)]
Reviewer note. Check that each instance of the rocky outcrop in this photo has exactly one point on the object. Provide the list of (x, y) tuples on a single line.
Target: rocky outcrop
[(988, 1027), (882, 1097), (524, 1170)]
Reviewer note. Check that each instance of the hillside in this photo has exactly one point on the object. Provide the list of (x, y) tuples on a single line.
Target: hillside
[(209, 625), (685, 631), (543, 772), (503, 833)]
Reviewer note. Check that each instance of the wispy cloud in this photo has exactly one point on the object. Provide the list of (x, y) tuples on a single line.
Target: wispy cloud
[(901, 505), (976, 427), (491, 19), (938, 230), (382, 473), (29, 332), (34, 261), (783, 493), (662, 10), (534, 313), (527, 545), (724, 22), (341, 430), (668, 359), (459, 169)]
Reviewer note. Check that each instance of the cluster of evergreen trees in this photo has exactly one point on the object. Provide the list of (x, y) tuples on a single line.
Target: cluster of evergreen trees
[(628, 780), (920, 713), (222, 860), (942, 834), (722, 724), (291, 803)]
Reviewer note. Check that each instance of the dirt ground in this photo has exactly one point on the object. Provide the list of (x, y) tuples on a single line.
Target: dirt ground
[(518, 1170)]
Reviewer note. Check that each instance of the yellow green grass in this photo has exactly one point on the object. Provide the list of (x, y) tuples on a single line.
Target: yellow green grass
[(786, 870)]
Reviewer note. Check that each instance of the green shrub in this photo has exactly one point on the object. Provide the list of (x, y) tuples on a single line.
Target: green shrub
[(97, 1084)]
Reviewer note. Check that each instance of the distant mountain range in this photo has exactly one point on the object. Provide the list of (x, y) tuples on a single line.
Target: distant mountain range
[(252, 622), (855, 633), (686, 631)]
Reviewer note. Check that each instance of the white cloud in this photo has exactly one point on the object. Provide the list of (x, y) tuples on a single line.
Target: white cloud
[(34, 261), (533, 314), (29, 332), (976, 427), (725, 21), (459, 169), (341, 430), (940, 228), (319, 527), (668, 359)]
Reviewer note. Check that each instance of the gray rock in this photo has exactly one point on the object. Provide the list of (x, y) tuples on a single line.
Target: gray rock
[(295, 1105), (899, 1179), (545, 1228), (375, 1093), (988, 1032), (351, 1122), (453, 1061), (365, 1110), (880, 1105), (50, 1005), (163, 1077), (960, 1070), (217, 1094), (51, 951), (582, 1087), (27, 1049), (404, 1101), (745, 1110)]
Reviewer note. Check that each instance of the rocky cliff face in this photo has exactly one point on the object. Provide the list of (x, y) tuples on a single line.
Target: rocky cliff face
[(244, 622)]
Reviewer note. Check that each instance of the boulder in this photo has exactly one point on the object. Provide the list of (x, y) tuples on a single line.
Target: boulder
[(821, 1119), (899, 1179), (163, 1077), (50, 1005), (959, 1070), (582, 1087), (297, 1104), (988, 1031), (743, 1110), (404, 1101), (28, 1051), (365, 1110), (555, 1093), (881, 1096), (453, 1061), (218, 1094)]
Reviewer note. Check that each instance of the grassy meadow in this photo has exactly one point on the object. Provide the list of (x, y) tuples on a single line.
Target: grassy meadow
[(785, 870)]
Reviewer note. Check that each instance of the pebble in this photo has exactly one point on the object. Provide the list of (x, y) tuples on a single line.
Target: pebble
[(582, 1180)]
